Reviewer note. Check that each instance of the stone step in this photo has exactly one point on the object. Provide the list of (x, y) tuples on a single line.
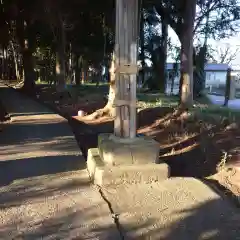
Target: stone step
[(105, 174)]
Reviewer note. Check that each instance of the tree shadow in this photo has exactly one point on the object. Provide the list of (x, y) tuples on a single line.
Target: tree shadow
[(214, 219), (3, 113), (37, 135), (87, 135), (36, 149), (33, 167), (33, 189), (223, 223), (68, 223)]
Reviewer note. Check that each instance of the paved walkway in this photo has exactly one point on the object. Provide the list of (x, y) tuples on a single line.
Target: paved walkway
[(219, 100), (46, 193), (177, 209)]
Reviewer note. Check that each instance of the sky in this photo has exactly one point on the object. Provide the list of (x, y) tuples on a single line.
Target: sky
[(233, 42)]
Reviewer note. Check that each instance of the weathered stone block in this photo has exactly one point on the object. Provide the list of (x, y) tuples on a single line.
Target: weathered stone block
[(105, 174), (115, 151), (118, 161)]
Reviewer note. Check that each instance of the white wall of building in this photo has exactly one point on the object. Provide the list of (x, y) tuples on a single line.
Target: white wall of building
[(216, 78), (213, 78)]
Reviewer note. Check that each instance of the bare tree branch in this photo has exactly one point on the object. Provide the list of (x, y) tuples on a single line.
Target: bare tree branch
[(204, 14), (224, 54)]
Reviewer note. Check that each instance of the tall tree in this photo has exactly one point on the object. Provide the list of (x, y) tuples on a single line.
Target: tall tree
[(156, 46), (142, 46), (186, 38), (228, 87), (163, 55), (220, 25), (26, 33)]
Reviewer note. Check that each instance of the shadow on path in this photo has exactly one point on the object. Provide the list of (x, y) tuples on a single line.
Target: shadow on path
[(39, 166), (207, 221), (191, 223), (37, 142)]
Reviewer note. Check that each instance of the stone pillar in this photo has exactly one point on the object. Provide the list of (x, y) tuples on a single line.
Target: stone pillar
[(126, 67), (122, 157)]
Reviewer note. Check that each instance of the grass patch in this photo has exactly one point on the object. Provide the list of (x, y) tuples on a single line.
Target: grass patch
[(218, 113), (146, 100), (88, 89), (41, 82), (203, 107)]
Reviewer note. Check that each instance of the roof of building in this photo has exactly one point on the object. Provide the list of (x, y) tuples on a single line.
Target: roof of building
[(216, 67), (208, 66)]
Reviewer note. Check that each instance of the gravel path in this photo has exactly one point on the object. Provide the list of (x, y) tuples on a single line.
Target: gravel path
[(45, 192)]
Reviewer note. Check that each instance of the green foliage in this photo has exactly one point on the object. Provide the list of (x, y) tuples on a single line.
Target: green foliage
[(223, 18), (224, 15), (90, 24)]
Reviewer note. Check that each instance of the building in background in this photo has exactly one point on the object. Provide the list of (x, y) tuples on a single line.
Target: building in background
[(216, 74)]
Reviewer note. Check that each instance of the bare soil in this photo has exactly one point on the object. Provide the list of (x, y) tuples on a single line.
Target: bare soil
[(3, 112), (192, 147), (3, 116)]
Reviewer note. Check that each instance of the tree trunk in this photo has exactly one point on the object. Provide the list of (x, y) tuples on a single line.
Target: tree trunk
[(60, 70), (186, 38), (109, 108), (227, 88), (53, 79), (12, 36), (78, 67), (3, 63), (29, 74), (204, 53), (163, 56), (98, 77), (122, 90), (60, 60), (142, 53), (27, 45), (15, 59), (70, 64), (172, 77), (159, 57), (28, 65), (112, 90), (84, 72), (7, 66), (200, 74)]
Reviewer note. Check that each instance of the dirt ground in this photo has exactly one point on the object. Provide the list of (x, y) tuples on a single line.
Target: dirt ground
[(3, 116), (3, 112), (191, 146)]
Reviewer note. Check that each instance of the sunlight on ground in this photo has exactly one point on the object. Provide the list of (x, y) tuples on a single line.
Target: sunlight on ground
[(38, 148), (18, 114)]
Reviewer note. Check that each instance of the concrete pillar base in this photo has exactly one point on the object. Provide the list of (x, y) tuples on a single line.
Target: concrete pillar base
[(118, 161)]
